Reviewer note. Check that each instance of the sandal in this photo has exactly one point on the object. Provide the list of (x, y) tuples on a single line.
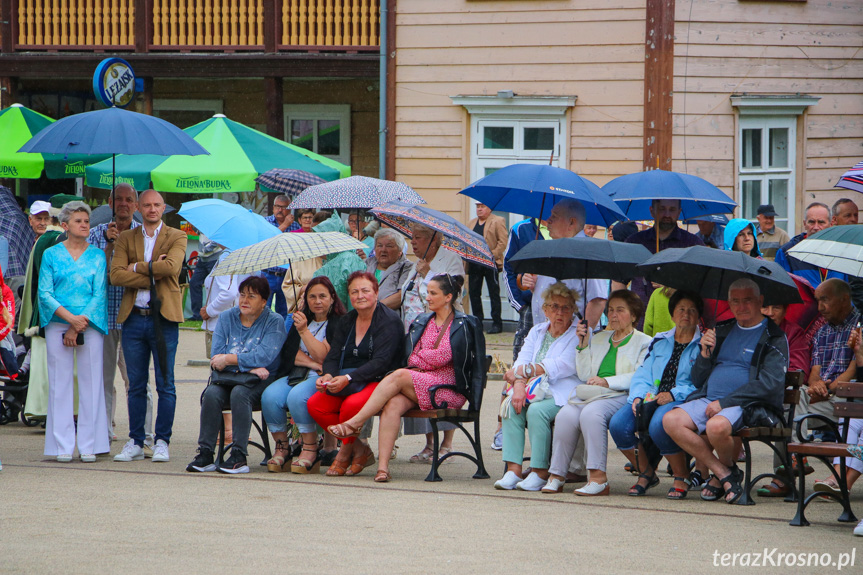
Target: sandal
[(344, 430), (773, 489), (304, 466), (678, 492), (383, 476), (338, 468), (423, 456), (715, 492), (360, 462), (280, 463), (441, 452), (734, 489), (638, 490)]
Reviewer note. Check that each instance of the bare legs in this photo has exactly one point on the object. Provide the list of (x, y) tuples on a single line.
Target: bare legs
[(397, 383)]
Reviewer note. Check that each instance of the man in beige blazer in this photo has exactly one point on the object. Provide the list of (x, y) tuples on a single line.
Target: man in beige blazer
[(493, 229), (165, 248)]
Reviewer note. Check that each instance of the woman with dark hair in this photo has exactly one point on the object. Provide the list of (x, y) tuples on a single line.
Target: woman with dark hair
[(302, 356), (662, 382), (248, 339), (605, 363), (306, 218), (444, 347), (365, 346)]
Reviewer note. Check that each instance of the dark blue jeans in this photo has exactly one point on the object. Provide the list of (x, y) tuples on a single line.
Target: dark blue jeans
[(276, 292), (196, 286), (139, 343)]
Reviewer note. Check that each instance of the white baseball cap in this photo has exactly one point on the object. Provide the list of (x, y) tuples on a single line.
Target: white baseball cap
[(39, 206)]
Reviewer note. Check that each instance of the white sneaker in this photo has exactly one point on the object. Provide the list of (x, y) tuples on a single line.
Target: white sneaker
[(508, 481), (160, 452), (553, 485), (88, 458), (593, 489), (532, 482), (858, 531), (64, 458), (131, 452)]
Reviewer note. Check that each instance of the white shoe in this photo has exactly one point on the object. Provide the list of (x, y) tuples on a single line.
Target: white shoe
[(858, 531), (88, 458), (508, 481), (592, 489), (160, 452), (532, 482), (553, 485), (131, 452), (65, 458)]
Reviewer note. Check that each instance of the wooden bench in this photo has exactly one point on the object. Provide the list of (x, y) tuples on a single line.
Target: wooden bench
[(457, 417), (776, 438), (825, 452)]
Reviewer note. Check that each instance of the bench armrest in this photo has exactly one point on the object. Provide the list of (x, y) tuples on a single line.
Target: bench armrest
[(799, 425), (433, 392)]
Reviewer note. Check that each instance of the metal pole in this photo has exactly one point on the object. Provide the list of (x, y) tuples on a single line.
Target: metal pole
[(382, 129)]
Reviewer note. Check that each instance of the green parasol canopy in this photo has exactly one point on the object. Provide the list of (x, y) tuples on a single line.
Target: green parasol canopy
[(17, 126), (238, 155)]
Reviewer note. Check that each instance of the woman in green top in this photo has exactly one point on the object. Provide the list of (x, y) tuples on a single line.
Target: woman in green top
[(605, 362)]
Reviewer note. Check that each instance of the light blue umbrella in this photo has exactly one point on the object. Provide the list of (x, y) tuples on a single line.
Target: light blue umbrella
[(228, 224), (634, 193)]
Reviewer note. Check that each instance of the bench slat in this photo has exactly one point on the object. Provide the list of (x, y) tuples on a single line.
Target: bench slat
[(823, 449)]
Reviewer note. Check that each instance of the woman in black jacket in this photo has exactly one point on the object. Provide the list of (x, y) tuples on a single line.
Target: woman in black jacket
[(365, 347), (444, 347)]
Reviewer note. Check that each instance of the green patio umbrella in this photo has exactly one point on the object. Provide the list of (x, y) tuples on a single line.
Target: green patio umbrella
[(17, 126), (238, 155)]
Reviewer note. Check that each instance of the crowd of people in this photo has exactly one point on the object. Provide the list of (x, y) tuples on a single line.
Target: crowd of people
[(339, 340)]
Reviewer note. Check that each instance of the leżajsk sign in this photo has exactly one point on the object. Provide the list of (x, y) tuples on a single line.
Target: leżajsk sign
[(114, 82)]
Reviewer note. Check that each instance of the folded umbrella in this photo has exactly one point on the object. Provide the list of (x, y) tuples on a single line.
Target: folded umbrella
[(228, 224), (457, 237), (581, 258), (838, 248), (290, 182)]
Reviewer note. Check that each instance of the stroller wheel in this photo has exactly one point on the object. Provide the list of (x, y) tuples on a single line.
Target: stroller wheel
[(28, 421)]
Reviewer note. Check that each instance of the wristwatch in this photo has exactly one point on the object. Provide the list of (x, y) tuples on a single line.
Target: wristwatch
[(347, 375)]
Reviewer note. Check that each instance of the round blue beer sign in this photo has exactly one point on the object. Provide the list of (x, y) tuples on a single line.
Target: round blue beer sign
[(114, 82)]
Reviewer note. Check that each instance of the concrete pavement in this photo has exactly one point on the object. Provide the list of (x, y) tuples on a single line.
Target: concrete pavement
[(143, 517)]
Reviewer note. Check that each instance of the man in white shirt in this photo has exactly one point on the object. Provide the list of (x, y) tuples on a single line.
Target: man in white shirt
[(567, 221)]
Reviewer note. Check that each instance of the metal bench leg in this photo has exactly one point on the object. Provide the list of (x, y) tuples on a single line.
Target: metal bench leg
[(433, 474), (800, 519), (847, 515), (746, 498), (481, 473)]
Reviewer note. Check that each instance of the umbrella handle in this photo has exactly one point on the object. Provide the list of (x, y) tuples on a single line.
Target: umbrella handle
[(293, 285)]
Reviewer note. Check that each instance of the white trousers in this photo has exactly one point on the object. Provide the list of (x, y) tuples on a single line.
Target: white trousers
[(92, 429)]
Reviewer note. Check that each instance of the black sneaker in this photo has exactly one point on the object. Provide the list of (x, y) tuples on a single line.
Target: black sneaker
[(495, 328), (203, 462), (236, 463)]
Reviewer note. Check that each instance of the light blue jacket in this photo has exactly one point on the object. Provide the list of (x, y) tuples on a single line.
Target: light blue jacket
[(255, 346), (649, 374), (80, 286)]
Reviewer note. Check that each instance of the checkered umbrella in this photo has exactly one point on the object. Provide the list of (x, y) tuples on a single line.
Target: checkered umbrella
[(283, 249), (852, 179), (356, 192), (456, 236), (290, 182)]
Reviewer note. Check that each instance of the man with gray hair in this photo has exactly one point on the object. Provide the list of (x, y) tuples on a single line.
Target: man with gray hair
[(817, 218), (742, 365), (124, 202), (567, 221), (844, 212)]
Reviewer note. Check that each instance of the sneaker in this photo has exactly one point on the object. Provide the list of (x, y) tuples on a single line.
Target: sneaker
[(64, 458), (203, 462), (88, 458), (497, 441), (160, 452), (131, 452), (858, 531), (508, 481), (495, 328), (235, 464), (532, 482)]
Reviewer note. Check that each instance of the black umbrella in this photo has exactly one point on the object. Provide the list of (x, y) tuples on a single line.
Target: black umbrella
[(709, 272), (103, 215), (581, 258)]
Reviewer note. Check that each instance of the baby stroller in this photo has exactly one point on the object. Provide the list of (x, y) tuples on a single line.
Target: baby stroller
[(14, 381)]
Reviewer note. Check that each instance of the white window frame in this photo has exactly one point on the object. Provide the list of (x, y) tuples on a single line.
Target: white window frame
[(315, 112)]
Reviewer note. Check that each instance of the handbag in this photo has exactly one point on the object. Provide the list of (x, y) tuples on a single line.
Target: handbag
[(536, 389), (232, 378), (643, 414), (297, 374)]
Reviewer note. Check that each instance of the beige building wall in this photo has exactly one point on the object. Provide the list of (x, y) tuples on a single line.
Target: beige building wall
[(726, 47), (583, 48)]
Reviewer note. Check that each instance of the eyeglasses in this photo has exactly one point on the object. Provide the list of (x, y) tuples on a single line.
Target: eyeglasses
[(278, 207), (558, 308)]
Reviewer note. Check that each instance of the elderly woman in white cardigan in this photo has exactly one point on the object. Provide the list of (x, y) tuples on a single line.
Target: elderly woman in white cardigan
[(607, 364), (548, 349)]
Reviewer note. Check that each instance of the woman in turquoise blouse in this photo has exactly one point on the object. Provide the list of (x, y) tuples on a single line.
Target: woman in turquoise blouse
[(73, 312)]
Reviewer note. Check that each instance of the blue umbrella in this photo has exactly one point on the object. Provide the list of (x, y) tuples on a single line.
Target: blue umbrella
[(634, 193), (533, 190), (229, 224)]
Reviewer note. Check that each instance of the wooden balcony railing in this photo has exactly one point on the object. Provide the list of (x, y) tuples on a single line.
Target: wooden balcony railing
[(196, 25)]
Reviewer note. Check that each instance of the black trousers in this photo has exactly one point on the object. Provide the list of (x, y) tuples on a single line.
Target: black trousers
[(476, 275)]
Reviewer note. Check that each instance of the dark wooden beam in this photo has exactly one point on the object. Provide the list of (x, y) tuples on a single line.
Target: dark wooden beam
[(658, 84), (274, 89), (391, 90), (7, 28), (160, 65), (272, 25), (143, 25)]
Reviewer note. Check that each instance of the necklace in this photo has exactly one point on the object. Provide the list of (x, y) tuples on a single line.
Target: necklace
[(621, 339)]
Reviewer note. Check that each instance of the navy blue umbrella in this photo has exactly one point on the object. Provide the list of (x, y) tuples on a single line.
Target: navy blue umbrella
[(581, 258), (634, 193), (533, 190)]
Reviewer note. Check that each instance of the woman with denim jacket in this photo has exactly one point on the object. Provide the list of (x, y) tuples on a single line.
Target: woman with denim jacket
[(664, 377)]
